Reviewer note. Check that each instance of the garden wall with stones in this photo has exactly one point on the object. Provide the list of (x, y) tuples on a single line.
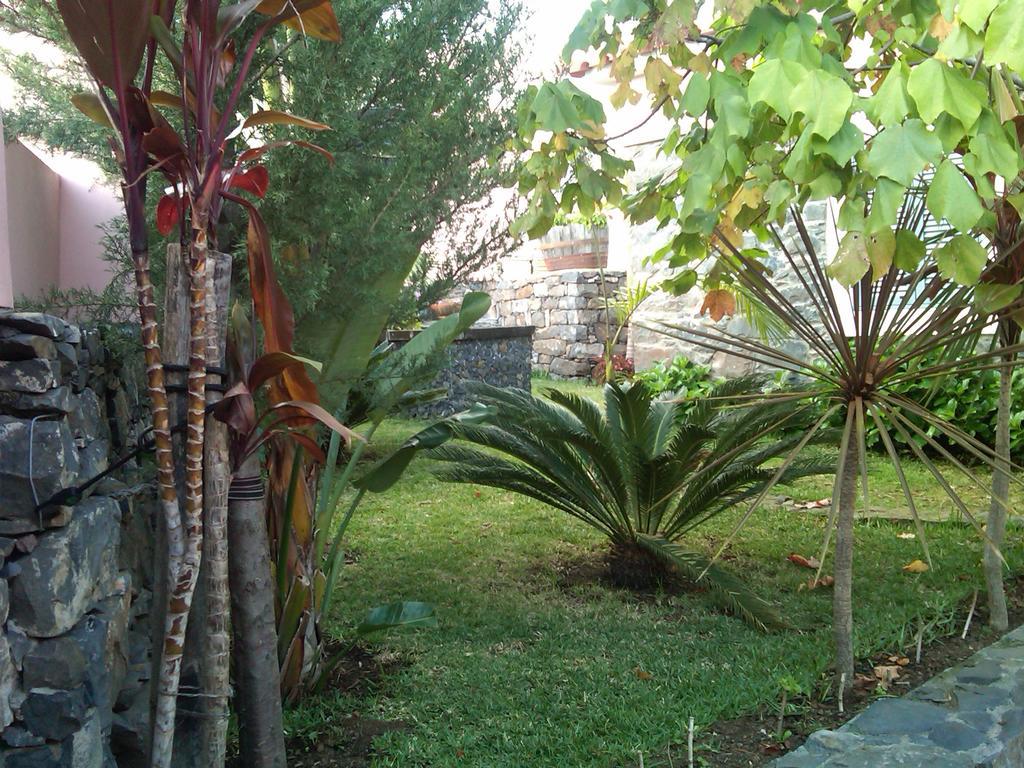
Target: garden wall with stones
[(647, 346), (567, 309), (500, 356), (73, 566)]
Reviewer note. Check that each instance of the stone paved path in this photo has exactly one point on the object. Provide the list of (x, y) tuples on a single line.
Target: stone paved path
[(970, 716)]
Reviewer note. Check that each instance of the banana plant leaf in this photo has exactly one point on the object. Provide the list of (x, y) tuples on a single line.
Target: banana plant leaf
[(399, 615), (387, 472)]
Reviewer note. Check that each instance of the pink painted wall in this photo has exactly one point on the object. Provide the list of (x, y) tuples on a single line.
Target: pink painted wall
[(84, 205), (33, 222), (50, 211), (6, 279)]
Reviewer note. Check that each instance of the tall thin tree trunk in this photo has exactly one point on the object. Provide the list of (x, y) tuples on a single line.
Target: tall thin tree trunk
[(842, 599), (168, 527), (215, 649), (257, 675), (995, 528), (179, 600), (175, 353)]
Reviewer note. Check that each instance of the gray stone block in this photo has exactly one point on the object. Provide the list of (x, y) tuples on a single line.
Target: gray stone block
[(33, 322), (69, 571), (57, 401), (32, 376), (54, 714), (54, 663), (48, 756), (27, 346), (54, 467)]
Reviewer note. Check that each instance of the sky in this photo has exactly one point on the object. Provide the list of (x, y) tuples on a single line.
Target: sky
[(549, 23)]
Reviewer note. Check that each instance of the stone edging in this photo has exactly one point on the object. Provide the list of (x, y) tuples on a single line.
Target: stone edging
[(970, 716)]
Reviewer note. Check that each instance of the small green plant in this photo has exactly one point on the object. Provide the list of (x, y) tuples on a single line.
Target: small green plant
[(618, 311), (593, 221), (679, 377), (790, 688)]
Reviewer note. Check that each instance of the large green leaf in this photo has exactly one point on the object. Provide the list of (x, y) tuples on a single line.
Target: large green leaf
[(891, 103), (824, 99), (951, 197), (900, 152), (385, 618), (909, 250), (386, 473), (1004, 39), (974, 13), (773, 82), (851, 262), (991, 297), (962, 260), (937, 87)]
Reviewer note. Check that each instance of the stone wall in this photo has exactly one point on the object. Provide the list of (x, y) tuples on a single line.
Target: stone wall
[(73, 569), (648, 346), (567, 309), (497, 356)]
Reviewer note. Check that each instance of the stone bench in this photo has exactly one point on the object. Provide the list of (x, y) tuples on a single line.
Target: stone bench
[(970, 716)]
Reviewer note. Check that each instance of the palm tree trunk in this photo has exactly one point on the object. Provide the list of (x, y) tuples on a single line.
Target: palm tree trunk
[(996, 525), (214, 659), (183, 586), (257, 676), (842, 599)]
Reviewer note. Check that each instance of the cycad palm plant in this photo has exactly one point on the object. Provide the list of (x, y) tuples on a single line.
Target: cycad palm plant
[(642, 472)]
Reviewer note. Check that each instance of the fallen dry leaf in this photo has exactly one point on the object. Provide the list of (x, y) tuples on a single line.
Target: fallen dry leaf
[(805, 562), (641, 674), (916, 566), (865, 682), (899, 660), (824, 581), (887, 674), (812, 504)]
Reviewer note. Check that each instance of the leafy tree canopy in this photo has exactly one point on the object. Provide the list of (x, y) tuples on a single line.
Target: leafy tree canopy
[(779, 103)]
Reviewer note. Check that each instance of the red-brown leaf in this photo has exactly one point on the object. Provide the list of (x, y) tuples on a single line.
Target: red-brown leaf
[(804, 562), (168, 212), (255, 180), (110, 35), (314, 19)]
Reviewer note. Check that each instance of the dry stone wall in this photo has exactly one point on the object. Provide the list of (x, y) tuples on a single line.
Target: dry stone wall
[(74, 569), (567, 309)]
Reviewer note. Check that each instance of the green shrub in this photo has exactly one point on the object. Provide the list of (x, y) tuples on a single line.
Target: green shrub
[(968, 400), (680, 378)]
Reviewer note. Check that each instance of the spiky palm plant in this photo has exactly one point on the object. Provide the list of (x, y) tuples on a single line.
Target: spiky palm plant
[(641, 471), (908, 314)]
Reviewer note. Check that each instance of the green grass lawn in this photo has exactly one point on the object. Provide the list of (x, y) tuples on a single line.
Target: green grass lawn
[(524, 671)]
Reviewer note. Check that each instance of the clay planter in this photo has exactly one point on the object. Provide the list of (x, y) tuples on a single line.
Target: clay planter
[(573, 246)]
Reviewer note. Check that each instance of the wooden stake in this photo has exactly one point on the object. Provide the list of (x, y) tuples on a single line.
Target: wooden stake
[(970, 615), (842, 690), (920, 639), (689, 744)]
